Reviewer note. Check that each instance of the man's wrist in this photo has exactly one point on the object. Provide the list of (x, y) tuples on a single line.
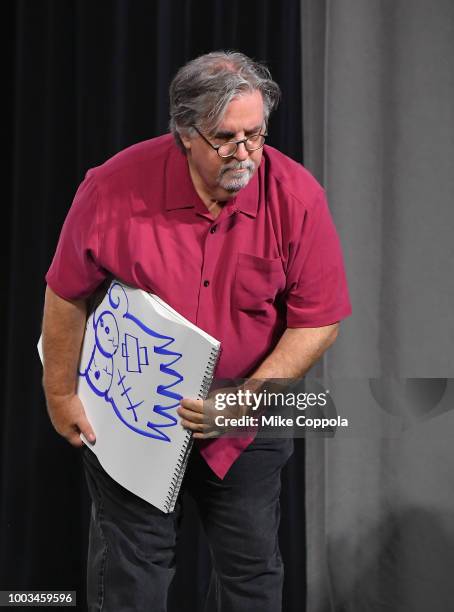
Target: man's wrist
[(55, 397)]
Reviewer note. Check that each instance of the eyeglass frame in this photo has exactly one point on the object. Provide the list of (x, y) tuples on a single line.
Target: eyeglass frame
[(235, 142)]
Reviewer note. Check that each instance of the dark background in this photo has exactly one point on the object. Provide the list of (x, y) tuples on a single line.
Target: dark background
[(84, 80)]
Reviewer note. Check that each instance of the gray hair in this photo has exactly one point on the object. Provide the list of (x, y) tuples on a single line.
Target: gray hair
[(203, 88)]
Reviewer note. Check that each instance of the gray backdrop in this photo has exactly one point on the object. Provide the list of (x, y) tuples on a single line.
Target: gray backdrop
[(378, 96)]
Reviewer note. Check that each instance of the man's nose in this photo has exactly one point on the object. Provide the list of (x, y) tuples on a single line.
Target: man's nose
[(241, 152)]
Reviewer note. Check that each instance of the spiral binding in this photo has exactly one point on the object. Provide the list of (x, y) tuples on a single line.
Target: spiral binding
[(182, 461), (209, 372)]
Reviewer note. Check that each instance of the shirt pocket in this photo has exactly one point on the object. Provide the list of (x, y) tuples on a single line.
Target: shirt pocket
[(258, 281)]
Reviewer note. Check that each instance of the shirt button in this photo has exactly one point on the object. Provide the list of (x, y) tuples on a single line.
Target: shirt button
[(206, 283), (213, 229)]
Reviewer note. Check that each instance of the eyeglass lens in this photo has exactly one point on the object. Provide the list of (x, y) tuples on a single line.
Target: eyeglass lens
[(252, 144)]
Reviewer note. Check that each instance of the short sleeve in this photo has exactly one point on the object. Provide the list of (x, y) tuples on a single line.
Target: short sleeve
[(317, 291), (75, 271)]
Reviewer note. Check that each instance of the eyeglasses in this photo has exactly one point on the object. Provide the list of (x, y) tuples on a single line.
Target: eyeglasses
[(228, 149)]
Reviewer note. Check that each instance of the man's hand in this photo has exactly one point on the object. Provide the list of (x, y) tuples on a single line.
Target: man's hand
[(199, 416), (69, 420)]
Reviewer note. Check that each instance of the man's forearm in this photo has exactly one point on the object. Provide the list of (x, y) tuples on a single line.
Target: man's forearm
[(296, 352), (63, 330)]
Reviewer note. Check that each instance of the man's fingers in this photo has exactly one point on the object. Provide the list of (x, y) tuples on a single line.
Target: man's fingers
[(195, 426), (201, 430), (74, 440), (86, 429), (190, 415), (194, 405), (197, 416), (214, 433)]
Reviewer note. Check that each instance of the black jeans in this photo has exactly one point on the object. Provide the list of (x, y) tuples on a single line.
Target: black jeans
[(131, 556)]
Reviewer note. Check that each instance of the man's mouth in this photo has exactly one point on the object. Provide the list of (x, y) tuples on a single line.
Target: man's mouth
[(244, 169)]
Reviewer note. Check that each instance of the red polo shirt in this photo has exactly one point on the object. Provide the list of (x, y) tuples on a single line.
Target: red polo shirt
[(270, 260)]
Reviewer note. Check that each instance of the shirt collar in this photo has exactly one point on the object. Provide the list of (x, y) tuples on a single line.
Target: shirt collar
[(180, 192)]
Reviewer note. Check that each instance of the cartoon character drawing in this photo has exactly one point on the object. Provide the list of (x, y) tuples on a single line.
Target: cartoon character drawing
[(119, 360), (99, 372)]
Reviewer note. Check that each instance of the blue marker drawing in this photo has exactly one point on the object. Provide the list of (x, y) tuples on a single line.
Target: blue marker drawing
[(136, 356), (125, 393), (118, 368)]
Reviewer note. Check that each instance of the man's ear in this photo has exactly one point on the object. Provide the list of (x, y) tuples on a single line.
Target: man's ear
[(185, 139)]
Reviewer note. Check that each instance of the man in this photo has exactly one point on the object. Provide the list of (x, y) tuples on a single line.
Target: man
[(237, 238)]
